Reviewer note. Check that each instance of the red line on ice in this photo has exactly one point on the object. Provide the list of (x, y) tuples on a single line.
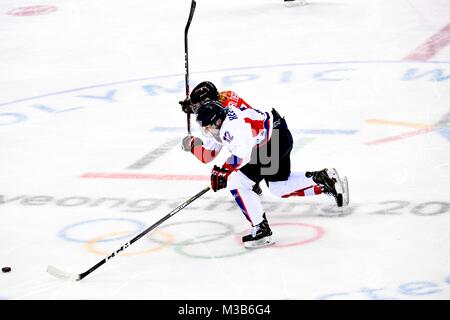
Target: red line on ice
[(432, 46), (147, 176), (400, 136)]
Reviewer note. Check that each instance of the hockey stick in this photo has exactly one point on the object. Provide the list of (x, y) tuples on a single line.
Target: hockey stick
[(186, 60), (77, 277)]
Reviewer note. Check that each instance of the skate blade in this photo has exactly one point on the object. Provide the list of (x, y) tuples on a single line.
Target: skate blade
[(346, 195), (261, 243), (298, 3)]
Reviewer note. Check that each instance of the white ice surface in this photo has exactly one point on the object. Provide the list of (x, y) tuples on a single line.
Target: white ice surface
[(93, 87)]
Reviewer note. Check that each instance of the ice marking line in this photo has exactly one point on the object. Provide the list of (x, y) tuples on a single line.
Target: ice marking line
[(399, 123), (440, 127), (406, 290), (324, 131), (301, 143), (182, 246), (32, 10), (432, 46), (444, 132), (155, 154), (182, 250), (63, 233), (293, 130), (89, 245), (213, 71), (195, 240), (319, 232), (401, 136), (144, 176)]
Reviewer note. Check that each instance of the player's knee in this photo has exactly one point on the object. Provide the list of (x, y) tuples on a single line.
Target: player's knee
[(238, 180), (277, 188)]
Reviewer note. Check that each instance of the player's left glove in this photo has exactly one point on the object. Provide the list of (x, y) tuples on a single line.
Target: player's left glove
[(189, 142), (186, 105), (219, 177)]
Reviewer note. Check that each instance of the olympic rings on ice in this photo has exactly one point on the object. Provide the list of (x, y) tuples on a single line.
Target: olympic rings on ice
[(318, 232), (64, 233), (195, 240), (184, 242), (90, 244)]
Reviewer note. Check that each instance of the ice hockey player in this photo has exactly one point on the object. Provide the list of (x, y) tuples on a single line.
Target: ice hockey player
[(206, 91), (260, 144)]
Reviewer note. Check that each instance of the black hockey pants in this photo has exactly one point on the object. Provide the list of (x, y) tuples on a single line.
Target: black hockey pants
[(272, 161)]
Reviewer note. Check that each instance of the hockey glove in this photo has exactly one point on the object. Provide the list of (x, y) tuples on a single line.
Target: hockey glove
[(219, 177), (189, 142), (186, 105)]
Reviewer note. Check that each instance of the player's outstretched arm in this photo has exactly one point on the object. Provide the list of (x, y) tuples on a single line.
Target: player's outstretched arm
[(195, 146)]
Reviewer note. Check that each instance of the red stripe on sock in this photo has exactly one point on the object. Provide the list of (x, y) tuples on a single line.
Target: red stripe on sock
[(243, 207), (297, 193)]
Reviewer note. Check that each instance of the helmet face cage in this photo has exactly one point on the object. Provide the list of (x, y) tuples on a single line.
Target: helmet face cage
[(208, 113), (210, 131), (195, 107)]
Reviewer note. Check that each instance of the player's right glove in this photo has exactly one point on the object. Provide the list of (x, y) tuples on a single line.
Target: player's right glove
[(219, 178), (186, 105), (189, 142)]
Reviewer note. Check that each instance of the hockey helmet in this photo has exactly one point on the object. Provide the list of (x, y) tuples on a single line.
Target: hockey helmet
[(204, 90), (209, 112)]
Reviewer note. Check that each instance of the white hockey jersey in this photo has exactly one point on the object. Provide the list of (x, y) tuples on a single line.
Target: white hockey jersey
[(242, 130)]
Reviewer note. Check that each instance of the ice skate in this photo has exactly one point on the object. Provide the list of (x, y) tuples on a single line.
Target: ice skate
[(331, 184), (261, 236)]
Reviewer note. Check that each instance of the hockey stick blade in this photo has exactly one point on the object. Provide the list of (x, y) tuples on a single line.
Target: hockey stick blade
[(58, 273)]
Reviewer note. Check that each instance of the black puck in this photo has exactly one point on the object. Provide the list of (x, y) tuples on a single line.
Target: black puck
[(6, 269)]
